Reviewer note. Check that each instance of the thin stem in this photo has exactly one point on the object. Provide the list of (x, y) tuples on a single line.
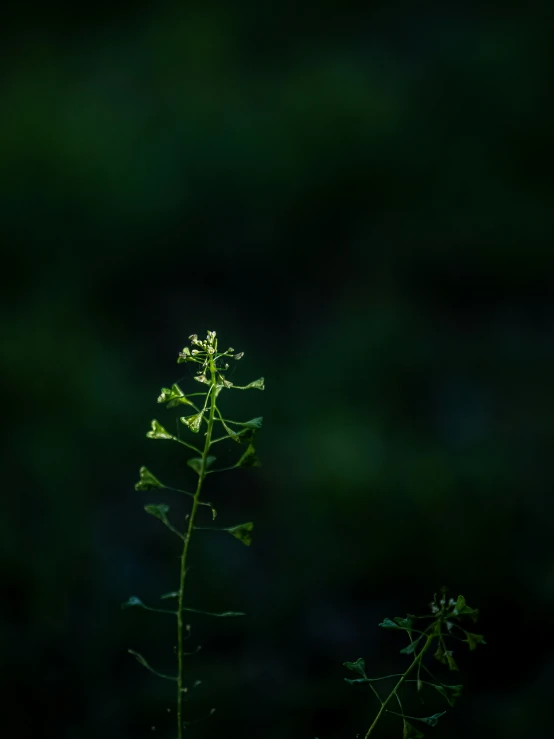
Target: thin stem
[(187, 538), (184, 443), (394, 691)]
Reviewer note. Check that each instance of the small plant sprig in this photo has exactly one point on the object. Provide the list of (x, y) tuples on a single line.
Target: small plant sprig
[(211, 365), (445, 615)]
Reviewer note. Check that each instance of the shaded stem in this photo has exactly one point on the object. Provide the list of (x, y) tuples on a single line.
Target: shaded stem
[(394, 691), (196, 502)]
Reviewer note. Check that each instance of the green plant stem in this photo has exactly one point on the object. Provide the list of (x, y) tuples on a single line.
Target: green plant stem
[(394, 691), (196, 502)]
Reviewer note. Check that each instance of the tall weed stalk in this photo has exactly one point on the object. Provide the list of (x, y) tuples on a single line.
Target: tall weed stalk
[(208, 423)]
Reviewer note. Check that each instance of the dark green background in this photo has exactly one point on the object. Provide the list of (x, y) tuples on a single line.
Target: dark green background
[(361, 200)]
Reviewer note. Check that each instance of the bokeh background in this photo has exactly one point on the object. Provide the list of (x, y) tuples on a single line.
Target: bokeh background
[(359, 199)]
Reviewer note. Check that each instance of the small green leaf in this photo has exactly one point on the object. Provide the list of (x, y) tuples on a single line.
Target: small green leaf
[(158, 432), (445, 657), (258, 384), (139, 658), (410, 732), (147, 480), (450, 692), (249, 458), (202, 378), (357, 666), (243, 532), (232, 434), (144, 663), (225, 614), (193, 422), (460, 604), (196, 463), (388, 624), (431, 720), (246, 436), (403, 624), (133, 602), (451, 662), (410, 649), (254, 423), (173, 396), (474, 639), (158, 510), (462, 609), (173, 594)]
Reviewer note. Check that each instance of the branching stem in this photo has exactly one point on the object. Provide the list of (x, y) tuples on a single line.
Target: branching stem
[(394, 691)]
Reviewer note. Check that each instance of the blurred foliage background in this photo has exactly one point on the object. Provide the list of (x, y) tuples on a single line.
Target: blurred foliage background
[(361, 200)]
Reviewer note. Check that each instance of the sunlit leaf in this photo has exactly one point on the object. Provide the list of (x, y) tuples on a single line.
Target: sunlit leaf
[(357, 666), (158, 432), (196, 463), (193, 422), (173, 396), (147, 480), (243, 532)]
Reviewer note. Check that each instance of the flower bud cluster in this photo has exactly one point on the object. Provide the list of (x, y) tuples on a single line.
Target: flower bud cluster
[(201, 352)]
